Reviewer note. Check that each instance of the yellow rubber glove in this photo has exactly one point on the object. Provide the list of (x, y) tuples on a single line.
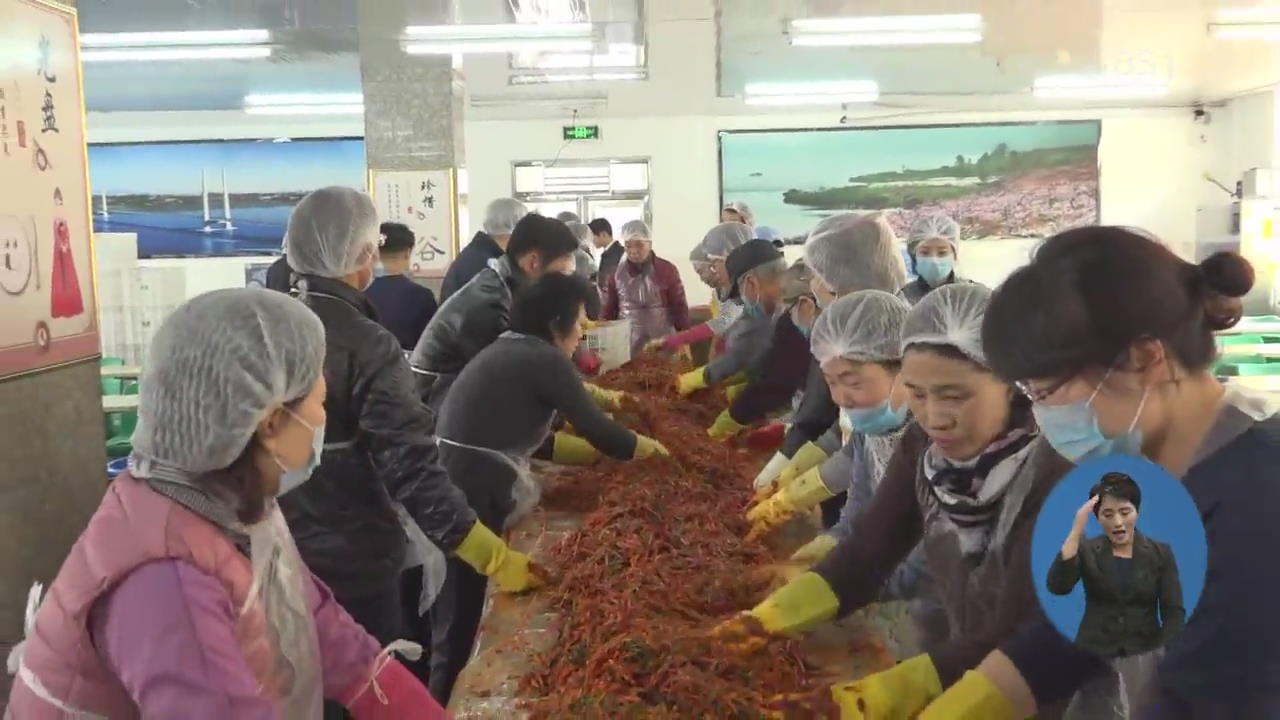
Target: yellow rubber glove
[(974, 697), (732, 392), (573, 450), (589, 325), (806, 458), (814, 550), (648, 447), (724, 427), (795, 607), (800, 496), (490, 556), (605, 399), (654, 345), (692, 381), (898, 693)]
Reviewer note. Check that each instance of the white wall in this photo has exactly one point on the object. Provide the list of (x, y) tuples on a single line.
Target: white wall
[(1151, 173), (1152, 165)]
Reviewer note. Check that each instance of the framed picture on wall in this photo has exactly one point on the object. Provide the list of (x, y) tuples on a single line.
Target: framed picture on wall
[(998, 181), (214, 198)]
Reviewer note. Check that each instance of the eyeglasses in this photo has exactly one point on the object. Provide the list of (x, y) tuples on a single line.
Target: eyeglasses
[(1038, 395)]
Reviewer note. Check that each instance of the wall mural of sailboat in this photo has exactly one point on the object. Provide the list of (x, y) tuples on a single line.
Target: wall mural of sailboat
[(105, 212), (210, 224)]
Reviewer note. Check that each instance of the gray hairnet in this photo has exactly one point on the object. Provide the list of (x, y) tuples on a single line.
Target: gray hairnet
[(852, 251), (584, 265), (724, 239), (950, 315), (865, 326), (698, 255), (582, 233), (795, 282), (215, 368), (744, 211), (501, 216), (635, 229), (567, 217), (332, 232), (933, 226)]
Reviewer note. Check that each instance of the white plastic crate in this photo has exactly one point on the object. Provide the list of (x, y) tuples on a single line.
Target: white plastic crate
[(611, 340)]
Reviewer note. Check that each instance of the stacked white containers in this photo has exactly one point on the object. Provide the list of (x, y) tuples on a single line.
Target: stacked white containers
[(133, 300)]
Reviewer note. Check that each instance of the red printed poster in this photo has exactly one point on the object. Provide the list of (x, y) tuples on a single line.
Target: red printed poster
[(48, 308)]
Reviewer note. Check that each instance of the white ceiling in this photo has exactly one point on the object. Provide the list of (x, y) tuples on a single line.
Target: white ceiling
[(701, 52)]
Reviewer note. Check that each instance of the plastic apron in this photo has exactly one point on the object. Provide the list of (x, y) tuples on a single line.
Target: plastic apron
[(422, 552), (525, 489), (969, 566), (641, 302)]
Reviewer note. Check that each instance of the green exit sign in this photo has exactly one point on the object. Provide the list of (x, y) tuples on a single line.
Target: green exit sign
[(581, 132)]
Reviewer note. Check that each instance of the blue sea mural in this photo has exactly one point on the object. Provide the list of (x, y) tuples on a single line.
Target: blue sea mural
[(196, 199)]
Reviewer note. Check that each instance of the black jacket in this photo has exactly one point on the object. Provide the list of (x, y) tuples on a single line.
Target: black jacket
[(1120, 617), (786, 367), (463, 326), (473, 258), (280, 275), (816, 414), (609, 260), (379, 447)]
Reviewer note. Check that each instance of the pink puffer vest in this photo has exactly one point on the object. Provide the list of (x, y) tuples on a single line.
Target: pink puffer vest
[(133, 525)]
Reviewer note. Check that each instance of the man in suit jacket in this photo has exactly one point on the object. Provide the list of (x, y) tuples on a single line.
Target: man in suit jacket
[(1133, 596), (610, 251)]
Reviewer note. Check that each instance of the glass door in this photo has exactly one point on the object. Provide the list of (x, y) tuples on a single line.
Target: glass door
[(618, 211)]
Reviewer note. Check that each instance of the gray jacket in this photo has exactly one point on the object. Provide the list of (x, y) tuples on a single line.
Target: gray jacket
[(746, 345)]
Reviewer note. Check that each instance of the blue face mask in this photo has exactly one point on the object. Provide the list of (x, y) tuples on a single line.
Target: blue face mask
[(935, 270), (879, 420), (291, 479), (1073, 430)]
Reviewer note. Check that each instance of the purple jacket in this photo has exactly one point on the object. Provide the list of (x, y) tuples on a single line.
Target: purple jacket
[(167, 631)]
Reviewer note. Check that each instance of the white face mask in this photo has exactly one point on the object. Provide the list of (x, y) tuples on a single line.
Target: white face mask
[(291, 479)]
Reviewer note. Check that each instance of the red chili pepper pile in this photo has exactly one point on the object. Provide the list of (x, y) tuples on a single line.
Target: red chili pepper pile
[(657, 562)]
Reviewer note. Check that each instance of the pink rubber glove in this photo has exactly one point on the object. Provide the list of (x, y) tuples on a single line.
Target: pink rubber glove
[(695, 334), (395, 694)]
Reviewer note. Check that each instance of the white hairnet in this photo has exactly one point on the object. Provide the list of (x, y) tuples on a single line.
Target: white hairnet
[(215, 367), (744, 211), (567, 217), (865, 326), (501, 216), (636, 229), (852, 251), (933, 226), (582, 233), (332, 232), (950, 315), (724, 239)]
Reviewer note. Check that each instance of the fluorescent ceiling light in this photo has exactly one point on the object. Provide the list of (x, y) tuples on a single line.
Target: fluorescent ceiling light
[(230, 52), (883, 23), (1100, 87), (342, 109), (886, 39), (1246, 23), (304, 99), (509, 101), (814, 93), (508, 31), (887, 30), (469, 47), (616, 55), (1248, 15), (539, 78), (170, 38)]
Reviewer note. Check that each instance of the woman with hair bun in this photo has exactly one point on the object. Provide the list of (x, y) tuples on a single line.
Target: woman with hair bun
[(1111, 336)]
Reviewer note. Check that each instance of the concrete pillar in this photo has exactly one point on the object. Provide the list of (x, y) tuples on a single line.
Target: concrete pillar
[(412, 104), (52, 475)]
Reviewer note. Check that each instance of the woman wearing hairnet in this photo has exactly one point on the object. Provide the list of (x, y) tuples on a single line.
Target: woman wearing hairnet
[(1112, 336), (527, 373), (185, 595), (755, 269), (708, 259), (845, 253), (646, 290), (933, 244), (738, 212), (380, 465), (966, 480)]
